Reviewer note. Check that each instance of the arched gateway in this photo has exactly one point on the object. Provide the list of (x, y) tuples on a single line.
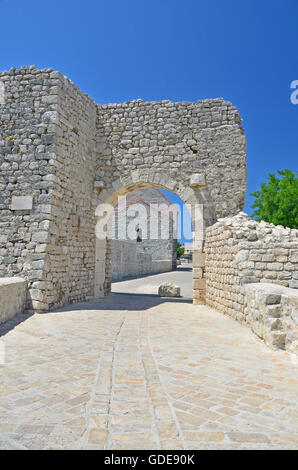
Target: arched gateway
[(62, 155)]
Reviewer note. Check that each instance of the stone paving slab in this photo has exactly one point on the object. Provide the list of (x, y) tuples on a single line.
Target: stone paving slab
[(140, 372)]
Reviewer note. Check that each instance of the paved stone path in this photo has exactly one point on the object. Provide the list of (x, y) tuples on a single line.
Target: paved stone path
[(182, 276), (139, 372)]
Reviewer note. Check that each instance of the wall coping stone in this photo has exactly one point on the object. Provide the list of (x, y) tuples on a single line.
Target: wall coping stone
[(4, 281)]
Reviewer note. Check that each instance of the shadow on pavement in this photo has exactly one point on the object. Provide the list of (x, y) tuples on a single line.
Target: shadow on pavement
[(115, 301), (119, 301), (9, 325)]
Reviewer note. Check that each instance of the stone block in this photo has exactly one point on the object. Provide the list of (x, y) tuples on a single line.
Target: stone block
[(199, 297), (197, 180), (272, 299), (21, 203), (41, 237), (277, 339), (13, 292), (168, 289), (197, 273), (99, 185), (199, 284)]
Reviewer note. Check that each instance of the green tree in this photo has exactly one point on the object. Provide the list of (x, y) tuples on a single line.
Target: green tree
[(277, 200), (180, 250)]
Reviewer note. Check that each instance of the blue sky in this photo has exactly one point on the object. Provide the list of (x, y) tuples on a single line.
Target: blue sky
[(184, 222), (116, 50)]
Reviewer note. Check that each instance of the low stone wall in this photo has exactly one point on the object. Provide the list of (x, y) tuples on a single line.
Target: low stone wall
[(272, 313), (241, 251), (13, 292)]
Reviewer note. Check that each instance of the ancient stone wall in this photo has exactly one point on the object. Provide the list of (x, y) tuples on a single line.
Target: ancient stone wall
[(47, 150), (196, 150), (71, 250), (240, 251), (128, 260), (61, 155), (27, 167), (132, 259), (179, 139)]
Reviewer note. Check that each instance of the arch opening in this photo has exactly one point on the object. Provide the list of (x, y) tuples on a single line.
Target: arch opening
[(192, 199)]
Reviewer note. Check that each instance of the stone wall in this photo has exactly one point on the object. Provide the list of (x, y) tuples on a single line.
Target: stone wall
[(196, 150), (70, 248), (128, 261), (156, 218), (61, 155), (179, 140), (13, 293), (47, 153), (26, 176), (161, 265), (131, 259), (241, 251), (271, 311)]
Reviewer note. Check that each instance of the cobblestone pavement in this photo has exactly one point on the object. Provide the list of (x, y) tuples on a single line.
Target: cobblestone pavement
[(139, 372)]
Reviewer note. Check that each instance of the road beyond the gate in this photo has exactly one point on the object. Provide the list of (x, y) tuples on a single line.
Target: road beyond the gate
[(182, 277), (134, 371)]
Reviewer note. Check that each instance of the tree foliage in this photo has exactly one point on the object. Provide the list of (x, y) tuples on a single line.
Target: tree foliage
[(180, 250), (277, 200)]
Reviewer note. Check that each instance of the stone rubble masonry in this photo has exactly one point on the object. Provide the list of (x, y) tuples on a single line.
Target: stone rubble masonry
[(272, 313), (56, 142), (241, 251), (12, 297)]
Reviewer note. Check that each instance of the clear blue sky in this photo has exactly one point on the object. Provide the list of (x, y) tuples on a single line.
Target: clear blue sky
[(119, 50)]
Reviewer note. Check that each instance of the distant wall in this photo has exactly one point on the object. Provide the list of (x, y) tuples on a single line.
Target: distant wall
[(162, 265), (129, 259), (152, 213), (12, 297)]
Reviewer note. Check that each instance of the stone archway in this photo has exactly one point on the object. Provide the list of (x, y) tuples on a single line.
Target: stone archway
[(195, 196), (62, 155)]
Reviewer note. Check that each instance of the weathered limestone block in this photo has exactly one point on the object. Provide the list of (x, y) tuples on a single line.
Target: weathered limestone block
[(199, 259), (272, 313), (19, 203), (168, 289), (197, 180), (13, 292)]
